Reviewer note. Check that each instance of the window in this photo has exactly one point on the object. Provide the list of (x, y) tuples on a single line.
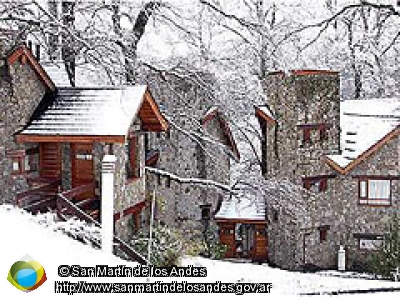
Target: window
[(370, 244), (323, 232), (205, 211), (168, 182), (316, 184), (158, 179), (275, 215), (17, 161), (374, 191), (313, 132), (133, 159)]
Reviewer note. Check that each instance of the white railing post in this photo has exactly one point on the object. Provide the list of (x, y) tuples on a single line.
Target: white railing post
[(107, 203)]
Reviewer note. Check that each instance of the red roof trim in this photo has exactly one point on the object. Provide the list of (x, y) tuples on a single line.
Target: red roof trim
[(261, 115), (225, 127), (366, 154), (24, 54)]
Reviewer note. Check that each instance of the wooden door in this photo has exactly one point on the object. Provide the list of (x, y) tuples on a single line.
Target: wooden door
[(261, 251), (82, 168), (227, 237), (50, 160)]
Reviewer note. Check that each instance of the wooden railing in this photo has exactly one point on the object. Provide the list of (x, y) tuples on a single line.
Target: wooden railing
[(66, 207), (41, 197)]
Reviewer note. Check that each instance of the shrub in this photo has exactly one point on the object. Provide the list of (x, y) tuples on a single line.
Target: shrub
[(214, 249), (166, 247), (387, 259)]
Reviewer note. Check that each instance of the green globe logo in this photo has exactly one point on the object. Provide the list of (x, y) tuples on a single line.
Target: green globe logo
[(26, 274)]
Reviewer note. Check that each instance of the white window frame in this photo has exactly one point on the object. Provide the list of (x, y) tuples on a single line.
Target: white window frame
[(374, 191)]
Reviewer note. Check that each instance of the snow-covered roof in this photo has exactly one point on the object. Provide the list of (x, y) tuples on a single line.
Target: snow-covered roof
[(242, 209), (88, 111), (363, 124), (57, 72)]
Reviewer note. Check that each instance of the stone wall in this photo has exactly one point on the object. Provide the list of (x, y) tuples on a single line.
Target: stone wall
[(298, 100), (20, 91), (128, 191), (294, 241), (184, 101)]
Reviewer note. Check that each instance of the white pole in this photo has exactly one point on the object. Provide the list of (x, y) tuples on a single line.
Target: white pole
[(341, 258), (107, 203), (153, 202)]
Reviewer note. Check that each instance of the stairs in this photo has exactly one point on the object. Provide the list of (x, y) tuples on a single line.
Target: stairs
[(44, 196)]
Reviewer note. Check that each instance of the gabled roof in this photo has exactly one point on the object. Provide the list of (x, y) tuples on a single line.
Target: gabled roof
[(214, 113), (264, 113), (92, 114), (366, 125), (24, 55)]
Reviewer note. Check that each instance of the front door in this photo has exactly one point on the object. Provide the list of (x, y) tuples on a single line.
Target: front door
[(82, 168), (50, 160), (244, 234)]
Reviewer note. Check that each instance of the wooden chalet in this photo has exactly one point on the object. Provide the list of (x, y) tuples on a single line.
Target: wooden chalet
[(67, 135)]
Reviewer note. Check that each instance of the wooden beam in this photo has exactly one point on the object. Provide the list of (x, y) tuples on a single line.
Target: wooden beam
[(27, 138), (150, 104)]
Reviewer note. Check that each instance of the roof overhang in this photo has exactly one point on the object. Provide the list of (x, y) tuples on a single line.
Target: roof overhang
[(151, 116), (34, 138), (365, 155)]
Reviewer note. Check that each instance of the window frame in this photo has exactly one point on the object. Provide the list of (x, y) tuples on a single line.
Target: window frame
[(307, 129), (132, 165), (369, 237), (322, 181), (17, 159), (323, 233), (366, 199)]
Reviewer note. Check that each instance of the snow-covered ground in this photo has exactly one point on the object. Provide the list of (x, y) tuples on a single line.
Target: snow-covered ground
[(23, 234)]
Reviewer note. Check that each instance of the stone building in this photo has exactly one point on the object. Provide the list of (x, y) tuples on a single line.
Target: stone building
[(54, 139), (45, 145), (198, 146), (346, 156)]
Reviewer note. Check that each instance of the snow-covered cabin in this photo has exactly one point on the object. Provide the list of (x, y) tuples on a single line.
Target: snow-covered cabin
[(55, 138)]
